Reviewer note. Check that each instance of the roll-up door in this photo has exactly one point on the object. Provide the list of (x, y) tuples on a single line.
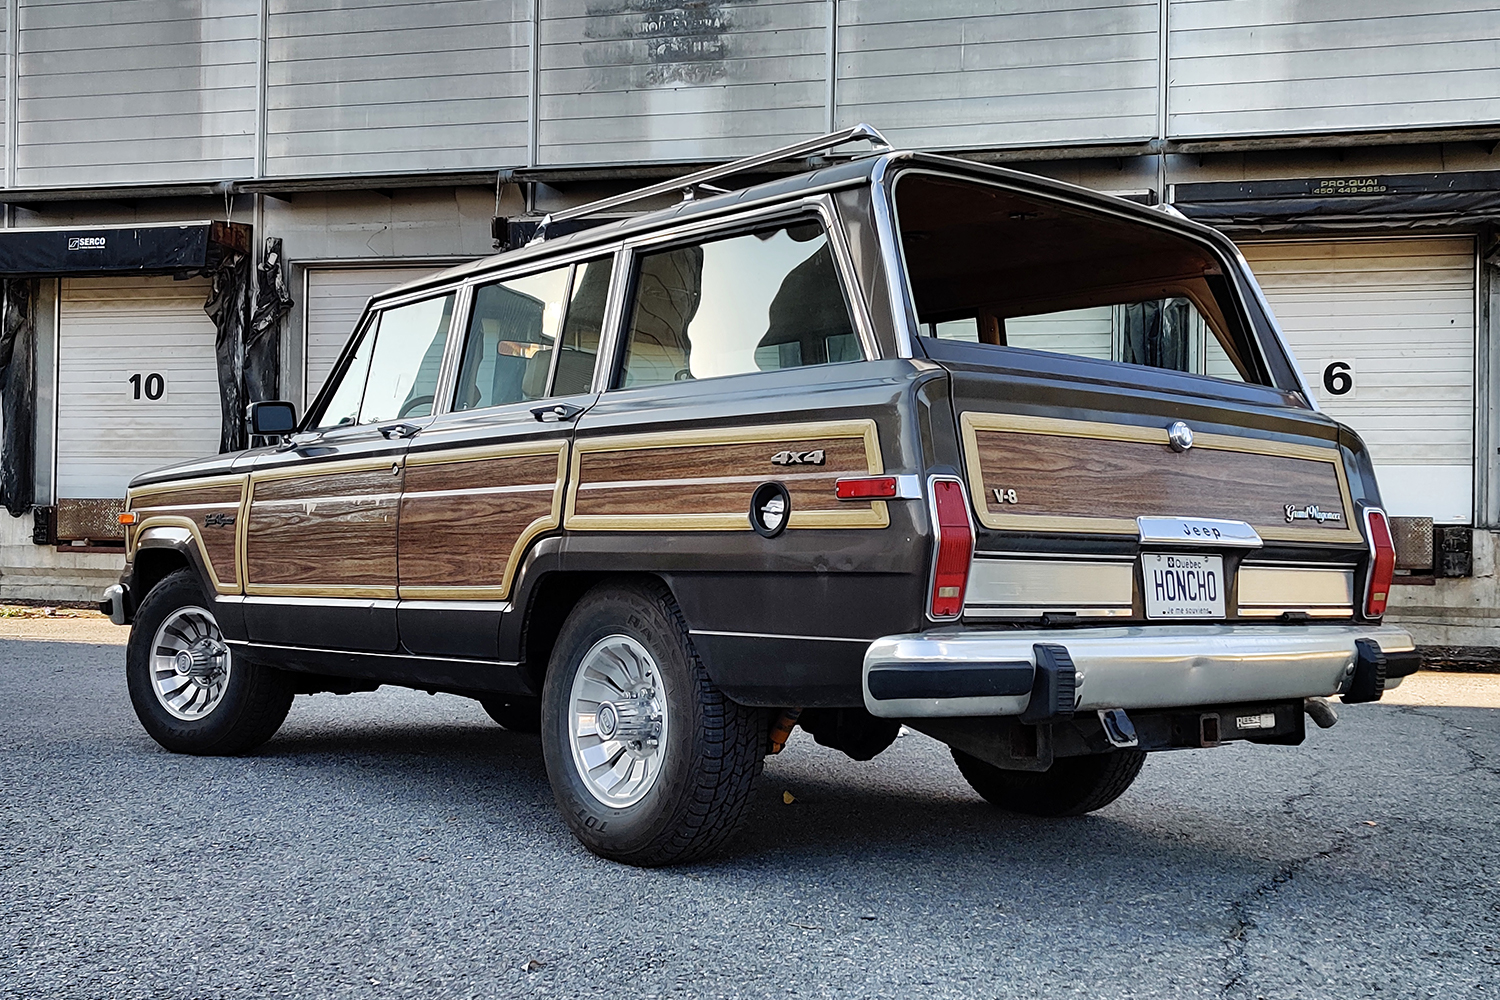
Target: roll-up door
[(335, 299), (137, 386), (1384, 332)]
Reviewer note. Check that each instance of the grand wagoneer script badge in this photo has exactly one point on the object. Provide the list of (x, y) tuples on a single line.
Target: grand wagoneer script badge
[(1311, 512), (798, 457), (218, 521)]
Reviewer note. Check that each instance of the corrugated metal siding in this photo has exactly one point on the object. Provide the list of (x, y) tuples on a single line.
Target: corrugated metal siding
[(1401, 311), (335, 300), (109, 330), (1274, 66), (959, 73), (150, 90), (624, 80), (383, 86)]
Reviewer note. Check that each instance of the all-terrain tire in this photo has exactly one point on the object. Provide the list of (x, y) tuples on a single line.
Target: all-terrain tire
[(514, 712), (1072, 786), (255, 698), (711, 747)]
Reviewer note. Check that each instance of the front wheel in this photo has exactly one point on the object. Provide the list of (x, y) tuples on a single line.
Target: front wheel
[(649, 762), (1072, 786), (190, 692)]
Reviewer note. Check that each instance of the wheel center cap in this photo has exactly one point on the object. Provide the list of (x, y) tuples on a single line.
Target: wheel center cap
[(183, 663), (607, 720)]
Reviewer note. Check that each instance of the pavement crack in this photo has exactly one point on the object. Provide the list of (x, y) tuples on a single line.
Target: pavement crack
[(1460, 737), (1242, 922)]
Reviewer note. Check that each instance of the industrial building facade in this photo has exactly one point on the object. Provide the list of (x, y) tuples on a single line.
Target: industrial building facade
[(1350, 148)]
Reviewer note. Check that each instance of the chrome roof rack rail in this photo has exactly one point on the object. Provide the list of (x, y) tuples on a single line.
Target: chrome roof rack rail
[(702, 178)]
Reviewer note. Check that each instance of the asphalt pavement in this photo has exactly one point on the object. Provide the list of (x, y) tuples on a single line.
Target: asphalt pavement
[(396, 844)]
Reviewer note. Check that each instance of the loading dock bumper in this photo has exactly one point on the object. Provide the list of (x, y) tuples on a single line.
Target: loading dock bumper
[(949, 674)]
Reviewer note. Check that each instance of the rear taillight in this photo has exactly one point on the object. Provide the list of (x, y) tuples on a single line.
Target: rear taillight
[(955, 548), (1382, 562)]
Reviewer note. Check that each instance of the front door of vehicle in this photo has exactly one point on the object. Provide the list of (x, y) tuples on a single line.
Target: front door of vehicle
[(487, 477), (320, 540)]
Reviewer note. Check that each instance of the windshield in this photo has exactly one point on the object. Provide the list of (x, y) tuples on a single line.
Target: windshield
[(990, 266)]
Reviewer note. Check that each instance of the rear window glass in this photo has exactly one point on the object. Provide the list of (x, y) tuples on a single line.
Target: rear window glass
[(989, 266)]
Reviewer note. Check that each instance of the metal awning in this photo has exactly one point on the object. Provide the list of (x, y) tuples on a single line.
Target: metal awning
[(155, 248)]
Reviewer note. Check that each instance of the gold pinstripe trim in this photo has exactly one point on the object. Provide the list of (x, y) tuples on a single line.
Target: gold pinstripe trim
[(972, 422), (877, 515)]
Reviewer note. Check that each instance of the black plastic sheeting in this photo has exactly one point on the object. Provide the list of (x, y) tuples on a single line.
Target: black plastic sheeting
[(18, 395), (1401, 201)]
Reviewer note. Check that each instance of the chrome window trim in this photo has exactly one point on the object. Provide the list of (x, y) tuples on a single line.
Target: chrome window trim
[(903, 306)]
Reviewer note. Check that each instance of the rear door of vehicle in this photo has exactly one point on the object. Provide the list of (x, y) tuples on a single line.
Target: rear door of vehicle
[(485, 479)]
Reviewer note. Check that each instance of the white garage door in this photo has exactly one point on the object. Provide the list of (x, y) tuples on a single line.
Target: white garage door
[(335, 299), (1384, 332), (137, 385)]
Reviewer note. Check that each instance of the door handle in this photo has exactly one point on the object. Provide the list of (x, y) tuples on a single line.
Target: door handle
[(398, 431), (556, 413)]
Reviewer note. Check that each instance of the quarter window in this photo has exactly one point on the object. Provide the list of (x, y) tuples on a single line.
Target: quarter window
[(762, 301), (393, 371)]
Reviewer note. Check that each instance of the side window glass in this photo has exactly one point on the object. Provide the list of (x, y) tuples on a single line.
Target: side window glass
[(512, 335), (580, 338), (762, 301), (405, 362), (343, 405)]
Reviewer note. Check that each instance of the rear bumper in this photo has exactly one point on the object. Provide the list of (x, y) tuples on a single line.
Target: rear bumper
[(980, 673)]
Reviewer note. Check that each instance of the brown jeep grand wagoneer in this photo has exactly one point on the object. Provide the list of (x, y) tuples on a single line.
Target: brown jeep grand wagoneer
[(901, 439)]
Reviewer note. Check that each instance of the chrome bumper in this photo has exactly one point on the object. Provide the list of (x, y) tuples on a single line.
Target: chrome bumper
[(114, 604), (987, 673)]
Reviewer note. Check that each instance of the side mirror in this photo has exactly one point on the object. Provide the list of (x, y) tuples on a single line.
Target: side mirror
[(271, 418)]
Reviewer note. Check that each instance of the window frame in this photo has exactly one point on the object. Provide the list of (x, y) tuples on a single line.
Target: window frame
[(1231, 271), (373, 310), (819, 207)]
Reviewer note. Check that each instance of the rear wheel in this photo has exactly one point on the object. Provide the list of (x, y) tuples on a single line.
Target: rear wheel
[(190, 692), (1072, 786), (649, 762)]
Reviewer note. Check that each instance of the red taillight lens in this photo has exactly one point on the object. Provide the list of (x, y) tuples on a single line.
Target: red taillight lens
[(872, 488), (1382, 562), (955, 549)]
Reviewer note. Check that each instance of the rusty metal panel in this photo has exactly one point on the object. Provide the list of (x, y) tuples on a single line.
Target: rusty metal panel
[(365, 86), (954, 74), (1413, 540), (95, 520), (1259, 67), (151, 90), (641, 80)]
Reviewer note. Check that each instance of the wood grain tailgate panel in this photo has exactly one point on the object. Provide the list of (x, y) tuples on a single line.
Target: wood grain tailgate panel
[(1101, 481)]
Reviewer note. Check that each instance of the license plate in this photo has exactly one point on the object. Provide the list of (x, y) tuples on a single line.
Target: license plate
[(1182, 585)]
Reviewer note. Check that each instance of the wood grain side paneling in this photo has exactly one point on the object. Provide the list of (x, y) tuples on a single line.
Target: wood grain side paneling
[(703, 479), (1105, 477), (465, 524), (326, 532), (192, 507)]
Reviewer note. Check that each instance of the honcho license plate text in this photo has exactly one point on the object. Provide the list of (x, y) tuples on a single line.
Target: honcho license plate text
[(1183, 586)]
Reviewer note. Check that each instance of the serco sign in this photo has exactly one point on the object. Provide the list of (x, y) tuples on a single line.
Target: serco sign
[(85, 242)]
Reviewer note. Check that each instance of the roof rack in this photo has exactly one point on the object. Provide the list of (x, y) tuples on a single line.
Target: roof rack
[(702, 178)]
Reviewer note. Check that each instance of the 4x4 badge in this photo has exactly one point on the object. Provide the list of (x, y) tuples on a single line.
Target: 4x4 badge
[(798, 457)]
